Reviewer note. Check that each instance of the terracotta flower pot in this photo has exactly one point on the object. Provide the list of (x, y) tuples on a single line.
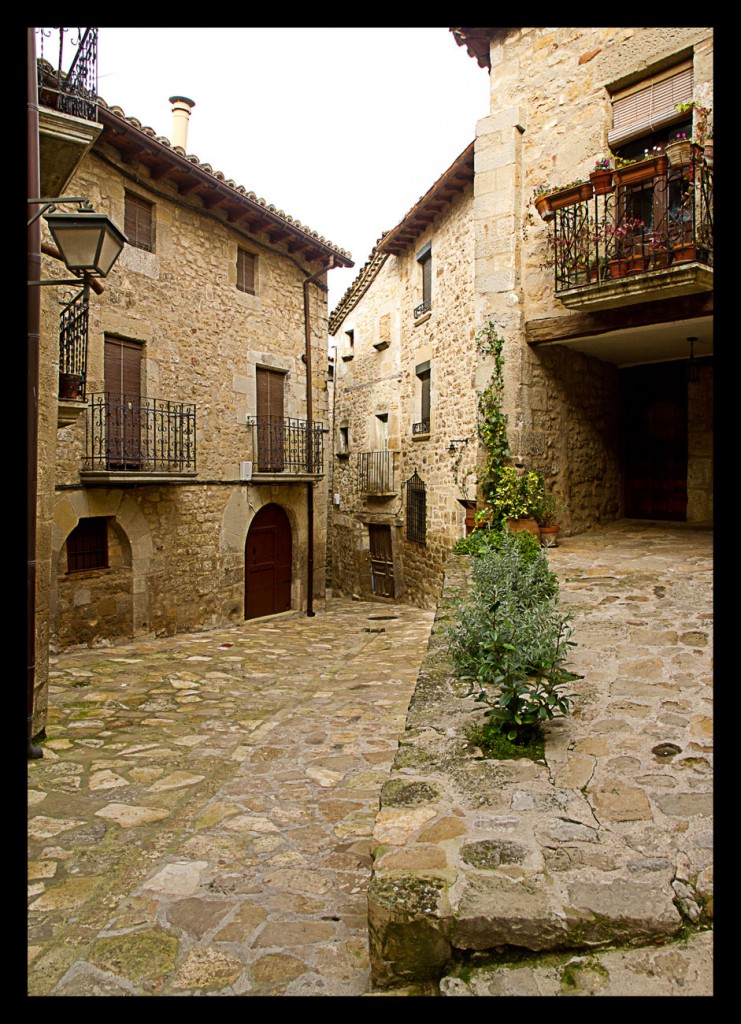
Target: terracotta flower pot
[(602, 182), (642, 170), (517, 525), (543, 206), (70, 385), (679, 152), (571, 196), (549, 536)]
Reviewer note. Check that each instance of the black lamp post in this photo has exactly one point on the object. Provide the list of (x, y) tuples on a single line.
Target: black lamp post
[(89, 244)]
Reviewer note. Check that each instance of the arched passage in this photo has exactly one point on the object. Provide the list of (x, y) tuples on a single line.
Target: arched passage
[(267, 565)]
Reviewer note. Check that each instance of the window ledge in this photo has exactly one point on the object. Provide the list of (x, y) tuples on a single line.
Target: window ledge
[(423, 319), (379, 346), (347, 358), (421, 437), (342, 455)]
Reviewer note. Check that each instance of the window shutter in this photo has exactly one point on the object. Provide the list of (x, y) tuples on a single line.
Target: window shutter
[(139, 222), (123, 368), (427, 278), (425, 379), (648, 106), (269, 393), (246, 271)]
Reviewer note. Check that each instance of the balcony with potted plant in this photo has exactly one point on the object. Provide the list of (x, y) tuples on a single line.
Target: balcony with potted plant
[(644, 233)]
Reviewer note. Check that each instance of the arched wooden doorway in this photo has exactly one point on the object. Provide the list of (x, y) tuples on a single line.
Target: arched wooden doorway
[(267, 563)]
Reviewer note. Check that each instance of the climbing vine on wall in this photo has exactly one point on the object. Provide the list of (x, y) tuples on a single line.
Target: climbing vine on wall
[(492, 421)]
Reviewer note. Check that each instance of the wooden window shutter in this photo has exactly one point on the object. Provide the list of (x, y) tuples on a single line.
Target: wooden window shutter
[(425, 379), (649, 105), (246, 264), (269, 393), (123, 368), (427, 278), (139, 222)]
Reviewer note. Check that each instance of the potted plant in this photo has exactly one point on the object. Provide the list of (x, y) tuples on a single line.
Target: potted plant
[(577, 191), (654, 163), (546, 516), (516, 499), (601, 176), (70, 385), (627, 247), (679, 149), (541, 201)]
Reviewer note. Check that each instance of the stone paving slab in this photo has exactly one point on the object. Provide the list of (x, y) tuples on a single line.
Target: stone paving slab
[(608, 840), (200, 822)]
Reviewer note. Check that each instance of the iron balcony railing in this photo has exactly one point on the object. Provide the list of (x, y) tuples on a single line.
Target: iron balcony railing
[(281, 444), (423, 307), (140, 435), (376, 472), (73, 324), (661, 221), (423, 427), (75, 90)]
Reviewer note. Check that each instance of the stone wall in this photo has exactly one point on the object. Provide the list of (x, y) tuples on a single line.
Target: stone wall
[(202, 340), (549, 117), (381, 379)]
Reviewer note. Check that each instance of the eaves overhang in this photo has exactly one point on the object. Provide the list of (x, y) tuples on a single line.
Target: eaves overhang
[(135, 142)]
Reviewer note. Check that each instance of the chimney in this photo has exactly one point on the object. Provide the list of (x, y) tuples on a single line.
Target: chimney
[(181, 108)]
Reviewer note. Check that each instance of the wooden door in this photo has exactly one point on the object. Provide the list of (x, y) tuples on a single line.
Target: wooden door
[(270, 422), (122, 370), (267, 572), (382, 561), (654, 416)]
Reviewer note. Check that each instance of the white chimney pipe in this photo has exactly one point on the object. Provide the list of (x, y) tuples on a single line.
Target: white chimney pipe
[(181, 108)]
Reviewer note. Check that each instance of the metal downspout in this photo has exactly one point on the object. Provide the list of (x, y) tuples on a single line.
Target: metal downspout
[(310, 440), (32, 370)]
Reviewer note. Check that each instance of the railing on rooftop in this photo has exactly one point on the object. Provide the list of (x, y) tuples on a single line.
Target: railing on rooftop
[(281, 444), (662, 219), (71, 78), (133, 434)]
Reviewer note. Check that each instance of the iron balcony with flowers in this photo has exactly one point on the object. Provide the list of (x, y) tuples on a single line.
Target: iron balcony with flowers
[(634, 230)]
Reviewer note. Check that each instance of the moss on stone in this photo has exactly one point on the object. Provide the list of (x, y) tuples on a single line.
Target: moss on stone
[(399, 793), (144, 954)]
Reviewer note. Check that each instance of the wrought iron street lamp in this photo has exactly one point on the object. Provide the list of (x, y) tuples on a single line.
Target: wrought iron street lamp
[(88, 242)]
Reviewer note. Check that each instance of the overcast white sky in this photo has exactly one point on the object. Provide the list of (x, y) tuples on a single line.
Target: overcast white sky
[(341, 128)]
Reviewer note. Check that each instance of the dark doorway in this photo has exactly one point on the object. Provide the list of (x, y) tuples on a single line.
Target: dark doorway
[(654, 417), (267, 570), (382, 562)]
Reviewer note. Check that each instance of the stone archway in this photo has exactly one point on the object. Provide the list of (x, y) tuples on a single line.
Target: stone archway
[(113, 602)]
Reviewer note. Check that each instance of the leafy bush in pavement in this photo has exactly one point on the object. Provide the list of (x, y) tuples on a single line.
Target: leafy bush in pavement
[(511, 641)]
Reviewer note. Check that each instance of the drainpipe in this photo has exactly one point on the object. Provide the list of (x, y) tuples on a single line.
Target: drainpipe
[(32, 356), (310, 440)]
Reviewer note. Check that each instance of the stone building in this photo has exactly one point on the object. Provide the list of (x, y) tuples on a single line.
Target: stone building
[(185, 456), (604, 300), (405, 400)]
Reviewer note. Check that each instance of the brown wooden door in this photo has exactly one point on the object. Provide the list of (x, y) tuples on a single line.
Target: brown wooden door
[(654, 411), (267, 571), (122, 371), (270, 422), (382, 561)]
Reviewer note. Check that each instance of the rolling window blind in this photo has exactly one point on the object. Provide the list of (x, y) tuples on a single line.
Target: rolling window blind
[(649, 105)]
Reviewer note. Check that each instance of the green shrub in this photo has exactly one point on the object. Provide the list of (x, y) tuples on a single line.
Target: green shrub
[(511, 640)]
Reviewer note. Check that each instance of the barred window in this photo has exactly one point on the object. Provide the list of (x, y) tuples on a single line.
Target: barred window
[(139, 222), (246, 271), (87, 545), (416, 509)]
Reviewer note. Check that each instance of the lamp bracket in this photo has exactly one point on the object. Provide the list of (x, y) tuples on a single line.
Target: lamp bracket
[(51, 203)]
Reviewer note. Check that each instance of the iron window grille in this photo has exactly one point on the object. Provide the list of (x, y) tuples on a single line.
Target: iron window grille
[(73, 330), (87, 545), (416, 509)]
